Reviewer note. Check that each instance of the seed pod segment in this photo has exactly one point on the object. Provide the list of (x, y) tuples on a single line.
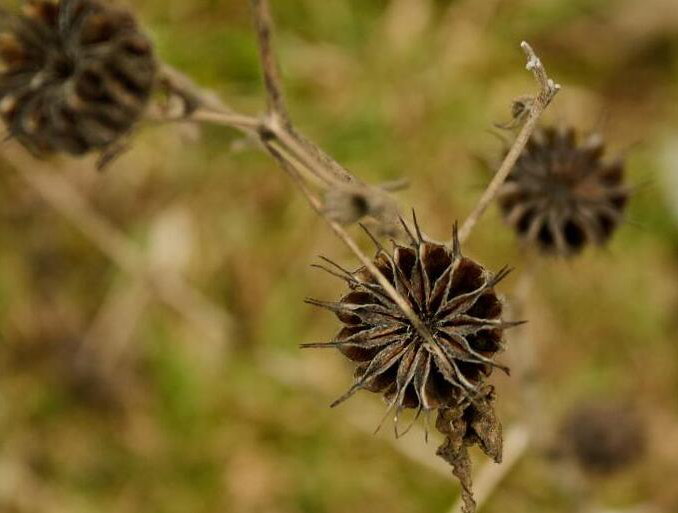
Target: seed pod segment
[(455, 299), (561, 195), (77, 75)]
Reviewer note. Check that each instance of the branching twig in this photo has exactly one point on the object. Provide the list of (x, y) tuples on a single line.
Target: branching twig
[(307, 165), (290, 165), (277, 121), (240, 121), (271, 70), (547, 90), (296, 155), (304, 162), (294, 166)]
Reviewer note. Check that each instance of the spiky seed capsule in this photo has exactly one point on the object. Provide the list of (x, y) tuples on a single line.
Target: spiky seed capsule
[(446, 369), (561, 195), (78, 74), (455, 299), (603, 437)]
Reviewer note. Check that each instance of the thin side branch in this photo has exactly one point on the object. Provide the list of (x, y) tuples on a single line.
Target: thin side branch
[(271, 70), (305, 163), (203, 106), (278, 123), (547, 91), (291, 166), (176, 82), (239, 121)]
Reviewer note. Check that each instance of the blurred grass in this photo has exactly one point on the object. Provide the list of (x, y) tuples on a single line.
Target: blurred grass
[(400, 88)]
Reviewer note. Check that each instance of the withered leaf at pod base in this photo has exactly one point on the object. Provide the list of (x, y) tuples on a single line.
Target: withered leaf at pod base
[(77, 75), (562, 195), (445, 369), (476, 424)]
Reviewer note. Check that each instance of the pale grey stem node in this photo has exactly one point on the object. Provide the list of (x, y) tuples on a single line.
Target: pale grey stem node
[(548, 88)]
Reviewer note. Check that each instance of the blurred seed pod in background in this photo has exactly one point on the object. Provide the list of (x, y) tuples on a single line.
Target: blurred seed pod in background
[(603, 437), (77, 75), (561, 195)]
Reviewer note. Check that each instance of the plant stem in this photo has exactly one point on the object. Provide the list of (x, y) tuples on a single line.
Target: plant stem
[(548, 89)]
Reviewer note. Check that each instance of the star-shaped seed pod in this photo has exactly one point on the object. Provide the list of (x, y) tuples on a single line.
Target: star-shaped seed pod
[(561, 195), (446, 369), (77, 75)]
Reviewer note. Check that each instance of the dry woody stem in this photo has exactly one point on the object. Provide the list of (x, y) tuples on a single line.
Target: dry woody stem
[(547, 91), (279, 126), (443, 318), (305, 162), (313, 172), (264, 28)]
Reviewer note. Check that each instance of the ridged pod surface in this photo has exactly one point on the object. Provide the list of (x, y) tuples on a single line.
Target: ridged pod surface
[(561, 195), (455, 300), (77, 75)]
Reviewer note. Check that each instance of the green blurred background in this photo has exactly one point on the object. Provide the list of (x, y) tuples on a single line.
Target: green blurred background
[(112, 402)]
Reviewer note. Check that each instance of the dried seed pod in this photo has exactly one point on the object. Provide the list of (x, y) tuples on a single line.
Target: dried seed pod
[(78, 74), (561, 195), (603, 437), (475, 423), (455, 300)]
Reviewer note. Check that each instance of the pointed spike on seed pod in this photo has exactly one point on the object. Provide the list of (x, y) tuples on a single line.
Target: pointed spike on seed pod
[(500, 276), (320, 345), (377, 244), (427, 424), (330, 271), (420, 238), (332, 306), (456, 245), (386, 415), (507, 325), (414, 421), (351, 281), (348, 394), (341, 274), (336, 265), (396, 421), (407, 230)]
